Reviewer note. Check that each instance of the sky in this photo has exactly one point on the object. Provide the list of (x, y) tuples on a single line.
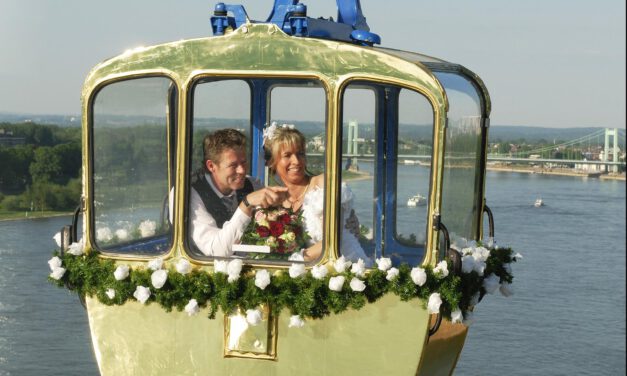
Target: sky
[(550, 63)]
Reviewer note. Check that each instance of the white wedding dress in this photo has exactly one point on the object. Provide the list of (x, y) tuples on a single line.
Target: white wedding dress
[(313, 211)]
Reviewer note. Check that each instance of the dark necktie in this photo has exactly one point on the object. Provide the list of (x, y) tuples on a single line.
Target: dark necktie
[(230, 204)]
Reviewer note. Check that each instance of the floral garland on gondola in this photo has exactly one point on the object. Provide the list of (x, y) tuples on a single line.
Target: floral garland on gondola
[(311, 294)]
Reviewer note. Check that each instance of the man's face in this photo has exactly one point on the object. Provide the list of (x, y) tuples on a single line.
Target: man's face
[(229, 171)]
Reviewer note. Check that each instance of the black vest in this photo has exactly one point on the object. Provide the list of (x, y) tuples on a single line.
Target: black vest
[(213, 203)]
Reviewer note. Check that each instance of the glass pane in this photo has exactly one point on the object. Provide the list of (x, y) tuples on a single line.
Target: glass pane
[(220, 224), (359, 168), (461, 180), (296, 161), (133, 123), (413, 167), (222, 120)]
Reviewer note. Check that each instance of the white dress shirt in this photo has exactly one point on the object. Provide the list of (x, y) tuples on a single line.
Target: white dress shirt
[(204, 231)]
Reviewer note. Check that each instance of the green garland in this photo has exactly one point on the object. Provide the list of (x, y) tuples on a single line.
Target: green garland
[(89, 275)]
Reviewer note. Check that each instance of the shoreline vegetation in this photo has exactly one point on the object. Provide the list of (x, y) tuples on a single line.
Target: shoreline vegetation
[(22, 215)]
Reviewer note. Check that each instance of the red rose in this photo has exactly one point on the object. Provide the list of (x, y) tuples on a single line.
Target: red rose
[(285, 219), (276, 229), (281, 247), (263, 231)]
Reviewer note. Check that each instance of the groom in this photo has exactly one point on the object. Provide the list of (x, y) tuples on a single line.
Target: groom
[(223, 197)]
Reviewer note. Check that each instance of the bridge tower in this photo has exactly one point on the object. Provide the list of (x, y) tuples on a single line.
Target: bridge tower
[(611, 132), (352, 145)]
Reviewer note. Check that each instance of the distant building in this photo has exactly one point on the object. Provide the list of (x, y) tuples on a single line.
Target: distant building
[(7, 138)]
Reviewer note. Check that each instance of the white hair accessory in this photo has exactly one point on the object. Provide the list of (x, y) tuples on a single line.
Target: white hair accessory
[(269, 132)]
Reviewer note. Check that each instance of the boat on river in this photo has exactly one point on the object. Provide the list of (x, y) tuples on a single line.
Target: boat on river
[(144, 114), (538, 203), (417, 200)]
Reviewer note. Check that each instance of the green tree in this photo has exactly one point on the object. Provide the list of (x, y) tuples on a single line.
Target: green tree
[(46, 166)]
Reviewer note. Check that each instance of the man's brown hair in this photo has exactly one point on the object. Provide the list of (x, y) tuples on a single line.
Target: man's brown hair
[(215, 143)]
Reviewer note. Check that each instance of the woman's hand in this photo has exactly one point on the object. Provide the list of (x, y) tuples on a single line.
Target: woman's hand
[(266, 197), (313, 252)]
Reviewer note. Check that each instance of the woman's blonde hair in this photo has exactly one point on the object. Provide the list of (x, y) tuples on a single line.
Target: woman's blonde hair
[(282, 137)]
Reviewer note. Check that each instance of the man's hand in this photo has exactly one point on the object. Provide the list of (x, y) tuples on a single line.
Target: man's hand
[(265, 198)]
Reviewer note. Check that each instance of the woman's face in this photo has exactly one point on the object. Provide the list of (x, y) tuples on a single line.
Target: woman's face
[(290, 164)]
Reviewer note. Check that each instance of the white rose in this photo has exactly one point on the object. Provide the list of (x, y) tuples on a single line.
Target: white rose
[(158, 278), (55, 262), (506, 289), (336, 283), (468, 264), (435, 301), (104, 234), (479, 267), (296, 322), (234, 268), (183, 266), (357, 284), (457, 316), (110, 293), (392, 274), (253, 317), (296, 256), (76, 248), (481, 254), (384, 263), (319, 271), (142, 294), (441, 269), (467, 251), (419, 276), (262, 278), (296, 270), (491, 283), (155, 264), (359, 268), (121, 272), (57, 239), (57, 273), (219, 266), (341, 264), (147, 228), (192, 307), (122, 234)]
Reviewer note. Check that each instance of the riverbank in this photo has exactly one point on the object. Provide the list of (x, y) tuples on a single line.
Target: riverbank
[(21, 215), (555, 172)]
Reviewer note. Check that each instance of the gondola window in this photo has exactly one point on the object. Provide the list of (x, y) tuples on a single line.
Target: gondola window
[(251, 106), (131, 133), (389, 180)]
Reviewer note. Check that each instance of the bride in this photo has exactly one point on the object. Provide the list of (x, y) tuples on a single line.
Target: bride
[(285, 157)]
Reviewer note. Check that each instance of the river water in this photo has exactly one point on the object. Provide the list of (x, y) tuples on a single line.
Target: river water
[(567, 316)]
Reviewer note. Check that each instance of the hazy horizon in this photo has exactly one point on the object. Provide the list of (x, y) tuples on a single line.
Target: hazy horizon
[(552, 64)]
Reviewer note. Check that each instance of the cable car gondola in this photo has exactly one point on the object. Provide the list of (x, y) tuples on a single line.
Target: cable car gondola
[(364, 110)]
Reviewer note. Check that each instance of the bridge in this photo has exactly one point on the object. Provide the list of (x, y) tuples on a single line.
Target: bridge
[(595, 152)]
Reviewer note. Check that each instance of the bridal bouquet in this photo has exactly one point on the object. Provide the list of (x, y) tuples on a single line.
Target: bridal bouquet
[(280, 229)]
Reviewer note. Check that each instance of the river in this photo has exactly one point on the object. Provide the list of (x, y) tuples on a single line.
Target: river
[(567, 315)]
